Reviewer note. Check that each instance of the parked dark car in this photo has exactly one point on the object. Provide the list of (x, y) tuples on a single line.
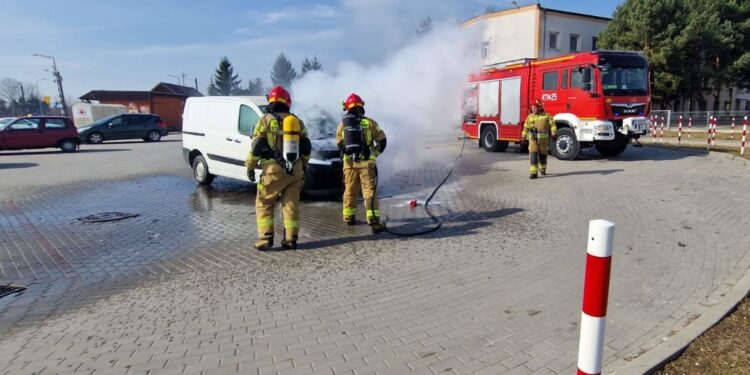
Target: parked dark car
[(148, 127), (39, 132)]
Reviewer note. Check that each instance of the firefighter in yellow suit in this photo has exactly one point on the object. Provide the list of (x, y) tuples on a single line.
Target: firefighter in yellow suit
[(537, 130), (281, 148), (360, 140)]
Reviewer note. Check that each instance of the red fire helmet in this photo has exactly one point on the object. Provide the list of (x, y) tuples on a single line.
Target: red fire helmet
[(353, 101), (279, 94)]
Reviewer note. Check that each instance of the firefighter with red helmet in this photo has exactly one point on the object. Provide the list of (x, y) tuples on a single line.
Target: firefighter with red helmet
[(537, 130), (281, 148), (361, 141)]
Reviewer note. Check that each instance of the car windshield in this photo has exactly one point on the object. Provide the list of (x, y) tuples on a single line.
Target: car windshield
[(104, 120), (320, 124), (620, 81)]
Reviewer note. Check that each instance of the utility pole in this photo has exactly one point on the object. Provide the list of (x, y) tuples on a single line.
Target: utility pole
[(58, 80), (23, 100), (196, 83), (183, 78)]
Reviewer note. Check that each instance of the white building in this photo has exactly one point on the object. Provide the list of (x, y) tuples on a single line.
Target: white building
[(534, 32)]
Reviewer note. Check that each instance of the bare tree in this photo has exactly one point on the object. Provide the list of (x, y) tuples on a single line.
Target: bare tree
[(10, 89)]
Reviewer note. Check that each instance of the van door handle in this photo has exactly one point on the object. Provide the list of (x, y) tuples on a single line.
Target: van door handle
[(237, 141), (228, 139)]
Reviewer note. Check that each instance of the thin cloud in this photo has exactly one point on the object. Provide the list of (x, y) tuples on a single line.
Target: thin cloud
[(291, 13)]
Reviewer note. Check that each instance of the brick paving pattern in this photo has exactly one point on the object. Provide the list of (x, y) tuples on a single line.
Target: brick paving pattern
[(497, 290)]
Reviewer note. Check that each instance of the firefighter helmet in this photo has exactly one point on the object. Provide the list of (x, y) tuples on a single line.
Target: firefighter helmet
[(353, 101), (537, 103), (280, 95)]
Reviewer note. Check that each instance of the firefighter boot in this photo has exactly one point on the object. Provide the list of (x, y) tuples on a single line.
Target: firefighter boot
[(349, 220), (288, 245), (377, 226), (534, 168), (264, 244)]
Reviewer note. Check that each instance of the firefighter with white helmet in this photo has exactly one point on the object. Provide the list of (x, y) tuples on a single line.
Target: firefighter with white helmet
[(361, 141), (537, 130), (281, 148)]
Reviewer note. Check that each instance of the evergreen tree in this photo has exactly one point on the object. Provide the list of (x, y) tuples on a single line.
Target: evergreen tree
[(283, 72), (255, 87), (308, 65), (694, 47), (224, 81)]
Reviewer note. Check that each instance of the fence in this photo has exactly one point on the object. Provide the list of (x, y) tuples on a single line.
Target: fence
[(700, 119)]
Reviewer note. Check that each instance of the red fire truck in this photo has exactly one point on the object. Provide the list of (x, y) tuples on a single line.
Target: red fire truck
[(598, 99)]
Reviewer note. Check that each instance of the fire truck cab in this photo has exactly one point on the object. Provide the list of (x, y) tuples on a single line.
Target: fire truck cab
[(598, 99)]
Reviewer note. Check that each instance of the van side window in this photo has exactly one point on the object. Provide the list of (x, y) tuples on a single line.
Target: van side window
[(248, 119), (549, 81)]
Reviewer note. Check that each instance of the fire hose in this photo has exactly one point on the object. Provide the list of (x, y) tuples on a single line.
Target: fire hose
[(437, 223)]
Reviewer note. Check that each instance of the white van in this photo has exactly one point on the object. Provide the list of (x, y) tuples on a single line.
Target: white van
[(216, 136)]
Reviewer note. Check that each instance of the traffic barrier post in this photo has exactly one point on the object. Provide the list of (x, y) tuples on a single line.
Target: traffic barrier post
[(595, 295)]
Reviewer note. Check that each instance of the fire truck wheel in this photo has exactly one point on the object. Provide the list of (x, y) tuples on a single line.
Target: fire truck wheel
[(490, 142), (566, 147)]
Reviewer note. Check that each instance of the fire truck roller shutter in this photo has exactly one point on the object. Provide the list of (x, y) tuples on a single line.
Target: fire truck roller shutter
[(510, 101), (488, 98)]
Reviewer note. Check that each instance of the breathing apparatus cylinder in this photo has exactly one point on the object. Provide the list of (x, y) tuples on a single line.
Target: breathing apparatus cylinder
[(353, 137), (291, 141)]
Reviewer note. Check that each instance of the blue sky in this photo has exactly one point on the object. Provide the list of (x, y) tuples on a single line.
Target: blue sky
[(132, 45)]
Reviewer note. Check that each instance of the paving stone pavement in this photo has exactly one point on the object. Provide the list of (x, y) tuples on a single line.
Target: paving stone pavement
[(497, 290)]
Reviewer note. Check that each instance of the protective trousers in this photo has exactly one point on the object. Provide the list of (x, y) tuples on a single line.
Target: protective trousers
[(360, 174), (273, 185), (538, 155)]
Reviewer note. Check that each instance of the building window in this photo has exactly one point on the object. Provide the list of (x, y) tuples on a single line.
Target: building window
[(574, 39), (747, 105), (485, 50), (594, 43), (553, 40), (549, 81)]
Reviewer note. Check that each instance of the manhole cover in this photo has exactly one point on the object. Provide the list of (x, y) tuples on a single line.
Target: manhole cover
[(6, 290), (106, 216)]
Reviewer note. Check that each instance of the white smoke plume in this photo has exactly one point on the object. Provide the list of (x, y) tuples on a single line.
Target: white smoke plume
[(414, 94)]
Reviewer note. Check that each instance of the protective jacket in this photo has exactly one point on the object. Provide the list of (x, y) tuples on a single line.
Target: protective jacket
[(537, 129)]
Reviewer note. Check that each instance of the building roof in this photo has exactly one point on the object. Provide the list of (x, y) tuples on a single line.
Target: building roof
[(505, 12), (168, 88), (160, 89), (116, 95)]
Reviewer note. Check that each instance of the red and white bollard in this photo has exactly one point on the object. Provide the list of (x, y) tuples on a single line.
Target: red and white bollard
[(679, 131), (690, 126), (731, 135), (713, 132), (653, 128), (661, 131), (595, 295), (708, 135), (744, 134)]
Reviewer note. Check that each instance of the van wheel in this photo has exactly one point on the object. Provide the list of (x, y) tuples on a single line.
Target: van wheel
[(95, 138), (490, 142), (200, 171), (566, 147), (153, 136), (68, 145)]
